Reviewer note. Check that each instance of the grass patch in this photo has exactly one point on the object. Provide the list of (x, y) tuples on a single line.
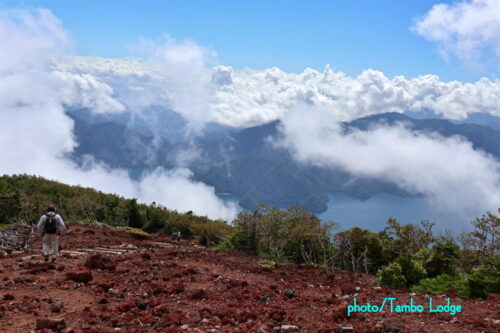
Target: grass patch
[(136, 233), (268, 264)]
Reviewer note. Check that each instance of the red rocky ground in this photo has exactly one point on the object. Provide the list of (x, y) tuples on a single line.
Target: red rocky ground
[(153, 285)]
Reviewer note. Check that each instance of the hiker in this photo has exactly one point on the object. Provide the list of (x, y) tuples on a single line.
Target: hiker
[(50, 227), (176, 235)]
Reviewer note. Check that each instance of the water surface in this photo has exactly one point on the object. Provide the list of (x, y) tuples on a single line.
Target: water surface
[(373, 213)]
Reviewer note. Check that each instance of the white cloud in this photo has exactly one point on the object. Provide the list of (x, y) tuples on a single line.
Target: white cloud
[(260, 96), (251, 97), (465, 29), (183, 71), (36, 135), (34, 37), (176, 189), (448, 171), (84, 90), (174, 74)]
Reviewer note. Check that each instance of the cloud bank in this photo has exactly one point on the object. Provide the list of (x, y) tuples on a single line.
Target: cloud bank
[(247, 97), (36, 136), (466, 29), (447, 171)]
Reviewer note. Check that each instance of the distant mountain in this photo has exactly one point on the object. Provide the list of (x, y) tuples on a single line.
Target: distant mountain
[(482, 137), (483, 119), (153, 121), (120, 147), (242, 163), (477, 118)]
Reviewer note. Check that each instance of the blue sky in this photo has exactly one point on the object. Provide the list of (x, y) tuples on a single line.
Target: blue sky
[(349, 35)]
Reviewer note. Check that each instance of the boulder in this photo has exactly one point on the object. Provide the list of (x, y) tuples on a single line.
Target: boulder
[(392, 327), (46, 323), (198, 294), (82, 276), (98, 261)]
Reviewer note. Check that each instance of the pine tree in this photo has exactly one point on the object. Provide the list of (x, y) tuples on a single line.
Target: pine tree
[(134, 217)]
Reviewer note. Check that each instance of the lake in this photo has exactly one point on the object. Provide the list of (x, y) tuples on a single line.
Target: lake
[(373, 213)]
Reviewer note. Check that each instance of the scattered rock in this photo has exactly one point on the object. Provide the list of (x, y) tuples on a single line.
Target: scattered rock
[(36, 270), (8, 297), (189, 271), (126, 306), (106, 286), (198, 294), (146, 256), (56, 308), (83, 276), (287, 328), (176, 288), (174, 318), (392, 327), (339, 312), (98, 261), (46, 323)]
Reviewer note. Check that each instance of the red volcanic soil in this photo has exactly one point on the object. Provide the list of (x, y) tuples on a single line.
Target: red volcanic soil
[(107, 281)]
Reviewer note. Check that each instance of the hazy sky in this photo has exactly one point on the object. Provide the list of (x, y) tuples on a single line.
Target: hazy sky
[(351, 36)]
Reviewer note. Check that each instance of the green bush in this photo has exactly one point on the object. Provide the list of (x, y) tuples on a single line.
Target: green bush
[(479, 283), (391, 276), (412, 269), (440, 284), (153, 226), (444, 260), (210, 233), (482, 281), (239, 240), (178, 222)]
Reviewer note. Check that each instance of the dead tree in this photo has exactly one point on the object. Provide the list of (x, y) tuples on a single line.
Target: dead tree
[(16, 237)]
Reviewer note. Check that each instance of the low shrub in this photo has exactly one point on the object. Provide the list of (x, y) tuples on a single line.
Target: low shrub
[(442, 283), (391, 276), (482, 281)]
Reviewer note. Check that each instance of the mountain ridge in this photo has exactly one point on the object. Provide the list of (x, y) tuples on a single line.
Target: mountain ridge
[(243, 164)]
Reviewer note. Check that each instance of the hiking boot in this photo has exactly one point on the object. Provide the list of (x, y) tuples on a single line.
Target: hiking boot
[(46, 258)]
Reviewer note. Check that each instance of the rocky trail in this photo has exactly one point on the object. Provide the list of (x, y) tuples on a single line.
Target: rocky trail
[(107, 280)]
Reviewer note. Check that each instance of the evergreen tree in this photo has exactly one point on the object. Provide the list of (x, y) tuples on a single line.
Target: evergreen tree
[(134, 217)]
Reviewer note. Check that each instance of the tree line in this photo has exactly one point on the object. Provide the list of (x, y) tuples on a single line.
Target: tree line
[(409, 256)]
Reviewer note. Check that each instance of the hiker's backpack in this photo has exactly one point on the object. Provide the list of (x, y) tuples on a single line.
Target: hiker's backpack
[(50, 226)]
